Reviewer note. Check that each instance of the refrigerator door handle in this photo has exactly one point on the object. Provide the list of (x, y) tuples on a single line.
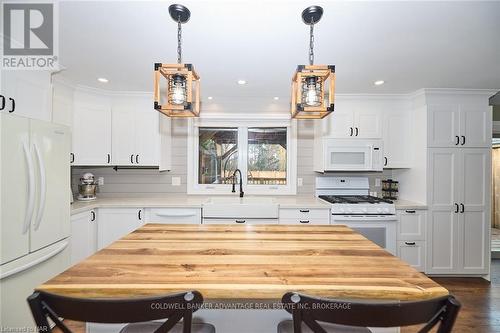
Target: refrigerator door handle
[(31, 189), (43, 187)]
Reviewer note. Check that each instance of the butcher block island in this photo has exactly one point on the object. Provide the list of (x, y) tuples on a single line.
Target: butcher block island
[(244, 262)]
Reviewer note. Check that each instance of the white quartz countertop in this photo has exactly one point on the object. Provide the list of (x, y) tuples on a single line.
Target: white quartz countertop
[(186, 201), (406, 204)]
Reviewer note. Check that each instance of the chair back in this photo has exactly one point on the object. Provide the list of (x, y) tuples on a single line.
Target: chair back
[(312, 310), (172, 307)]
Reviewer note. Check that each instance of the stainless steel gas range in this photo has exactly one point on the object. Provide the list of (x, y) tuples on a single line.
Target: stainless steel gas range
[(373, 217)]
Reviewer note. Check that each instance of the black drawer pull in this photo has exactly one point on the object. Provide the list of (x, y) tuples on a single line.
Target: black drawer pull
[(72, 158), (139, 214), (240, 221), (304, 221), (132, 159), (463, 140), (304, 210), (2, 105), (93, 216), (458, 140), (456, 208), (410, 243), (352, 131), (14, 106), (357, 131), (109, 158), (463, 208), (410, 211)]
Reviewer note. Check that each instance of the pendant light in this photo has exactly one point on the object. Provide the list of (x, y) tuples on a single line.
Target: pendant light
[(311, 82), (182, 98)]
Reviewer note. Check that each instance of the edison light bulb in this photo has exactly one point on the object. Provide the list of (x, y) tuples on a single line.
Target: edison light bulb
[(311, 92), (178, 90)]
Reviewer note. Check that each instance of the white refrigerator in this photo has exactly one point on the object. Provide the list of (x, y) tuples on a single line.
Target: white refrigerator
[(34, 211)]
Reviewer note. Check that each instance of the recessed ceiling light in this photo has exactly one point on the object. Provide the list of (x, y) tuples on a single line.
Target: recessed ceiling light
[(276, 98), (379, 82), (102, 79), (210, 97), (242, 82)]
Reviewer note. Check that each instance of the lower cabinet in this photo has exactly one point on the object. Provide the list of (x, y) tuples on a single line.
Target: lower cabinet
[(304, 216), (173, 215), (83, 235), (411, 237), (240, 221), (114, 223)]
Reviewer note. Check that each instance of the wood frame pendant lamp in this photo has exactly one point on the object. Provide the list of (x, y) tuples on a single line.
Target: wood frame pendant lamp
[(311, 82), (182, 94)]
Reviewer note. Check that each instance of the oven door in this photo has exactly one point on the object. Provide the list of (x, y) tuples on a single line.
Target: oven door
[(345, 158), (380, 229)]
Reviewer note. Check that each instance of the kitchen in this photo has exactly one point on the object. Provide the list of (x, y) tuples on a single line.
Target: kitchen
[(403, 158)]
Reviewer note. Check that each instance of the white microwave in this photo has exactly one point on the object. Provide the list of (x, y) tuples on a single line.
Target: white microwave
[(350, 155)]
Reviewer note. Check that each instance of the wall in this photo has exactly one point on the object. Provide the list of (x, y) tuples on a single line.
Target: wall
[(141, 182)]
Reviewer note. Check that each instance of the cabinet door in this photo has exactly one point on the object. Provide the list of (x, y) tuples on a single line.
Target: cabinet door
[(147, 134), (475, 126), (83, 236), (91, 135), (397, 140), (51, 146), (443, 228), (115, 223), (340, 124), (123, 135), (413, 253), (476, 199), (14, 178), (368, 124), (412, 224), (443, 125), (31, 91)]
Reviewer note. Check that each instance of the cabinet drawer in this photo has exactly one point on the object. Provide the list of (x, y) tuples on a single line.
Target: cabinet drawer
[(240, 221), (412, 224), (305, 221), (173, 215), (413, 253), (304, 213)]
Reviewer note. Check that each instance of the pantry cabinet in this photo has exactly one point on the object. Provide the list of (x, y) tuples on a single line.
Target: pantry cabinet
[(114, 223), (459, 199), (83, 235)]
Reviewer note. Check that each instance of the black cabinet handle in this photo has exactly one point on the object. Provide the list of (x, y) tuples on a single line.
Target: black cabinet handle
[(139, 214), (463, 140), (13, 103), (352, 131), (109, 158), (458, 140), (304, 221), (410, 243), (137, 159), (93, 216), (240, 221), (132, 158), (456, 208), (72, 158), (410, 211), (357, 131), (304, 210), (385, 161), (2, 105), (463, 208)]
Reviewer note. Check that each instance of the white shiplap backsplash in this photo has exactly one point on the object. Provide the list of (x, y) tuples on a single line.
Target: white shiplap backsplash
[(141, 182)]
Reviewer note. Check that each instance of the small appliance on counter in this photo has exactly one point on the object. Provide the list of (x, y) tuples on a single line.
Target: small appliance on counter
[(87, 188), (390, 189)]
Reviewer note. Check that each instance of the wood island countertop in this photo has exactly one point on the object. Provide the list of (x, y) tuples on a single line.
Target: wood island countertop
[(238, 262)]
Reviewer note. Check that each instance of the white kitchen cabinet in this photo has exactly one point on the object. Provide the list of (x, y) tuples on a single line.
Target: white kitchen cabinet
[(173, 215), (83, 235), (91, 130), (397, 139), (459, 125), (347, 123), (413, 253), (30, 92), (368, 124), (304, 216), (115, 223), (459, 200), (239, 221), (412, 224)]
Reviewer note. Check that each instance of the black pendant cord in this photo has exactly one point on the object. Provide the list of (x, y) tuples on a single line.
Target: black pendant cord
[(311, 44), (179, 41)]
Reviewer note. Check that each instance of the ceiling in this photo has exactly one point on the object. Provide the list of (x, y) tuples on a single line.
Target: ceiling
[(410, 45)]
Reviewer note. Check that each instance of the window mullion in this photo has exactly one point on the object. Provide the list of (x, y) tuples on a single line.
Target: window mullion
[(243, 152)]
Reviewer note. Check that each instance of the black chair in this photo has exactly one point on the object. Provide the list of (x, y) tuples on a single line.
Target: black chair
[(346, 316), (139, 312)]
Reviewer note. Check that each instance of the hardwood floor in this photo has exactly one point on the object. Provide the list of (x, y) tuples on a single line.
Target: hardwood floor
[(480, 300)]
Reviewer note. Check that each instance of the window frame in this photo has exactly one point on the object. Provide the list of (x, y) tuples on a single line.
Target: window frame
[(193, 187)]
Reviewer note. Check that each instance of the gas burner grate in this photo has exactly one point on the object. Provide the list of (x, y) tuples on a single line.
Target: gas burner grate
[(354, 199)]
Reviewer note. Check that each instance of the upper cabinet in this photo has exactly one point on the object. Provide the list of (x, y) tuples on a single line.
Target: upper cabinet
[(365, 124), (459, 125), (111, 129), (27, 93), (397, 139)]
